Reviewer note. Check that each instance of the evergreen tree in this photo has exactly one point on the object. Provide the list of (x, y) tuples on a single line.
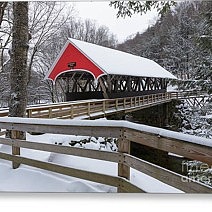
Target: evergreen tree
[(176, 43), (128, 8)]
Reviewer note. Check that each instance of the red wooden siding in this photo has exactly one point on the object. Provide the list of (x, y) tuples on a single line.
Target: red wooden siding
[(72, 54)]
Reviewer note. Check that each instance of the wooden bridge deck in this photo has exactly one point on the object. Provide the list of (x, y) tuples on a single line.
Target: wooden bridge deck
[(91, 109)]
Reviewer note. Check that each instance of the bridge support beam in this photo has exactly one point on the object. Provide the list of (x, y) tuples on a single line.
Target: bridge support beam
[(158, 116)]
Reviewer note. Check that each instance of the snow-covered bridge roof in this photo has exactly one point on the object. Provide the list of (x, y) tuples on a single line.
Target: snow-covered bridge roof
[(99, 60)]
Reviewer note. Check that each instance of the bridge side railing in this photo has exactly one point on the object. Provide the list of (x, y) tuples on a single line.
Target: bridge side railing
[(189, 94), (185, 145), (87, 108)]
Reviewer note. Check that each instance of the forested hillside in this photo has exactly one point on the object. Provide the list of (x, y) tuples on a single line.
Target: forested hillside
[(180, 41)]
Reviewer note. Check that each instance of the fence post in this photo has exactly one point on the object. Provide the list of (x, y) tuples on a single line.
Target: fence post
[(29, 113), (72, 111), (50, 112), (117, 104), (124, 102), (104, 106), (123, 147), (131, 102), (16, 150), (89, 109)]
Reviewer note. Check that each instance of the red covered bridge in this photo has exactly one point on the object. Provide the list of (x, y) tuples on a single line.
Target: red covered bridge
[(94, 72)]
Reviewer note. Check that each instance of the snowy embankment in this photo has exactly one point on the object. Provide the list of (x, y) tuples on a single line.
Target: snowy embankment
[(29, 179)]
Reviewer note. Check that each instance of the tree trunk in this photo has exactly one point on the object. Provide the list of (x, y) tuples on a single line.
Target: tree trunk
[(18, 74), (18, 78)]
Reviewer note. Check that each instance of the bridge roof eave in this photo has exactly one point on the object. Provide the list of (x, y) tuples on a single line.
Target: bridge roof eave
[(100, 60), (115, 62)]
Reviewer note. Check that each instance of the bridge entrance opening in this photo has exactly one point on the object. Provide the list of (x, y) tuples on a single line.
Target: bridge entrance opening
[(79, 85)]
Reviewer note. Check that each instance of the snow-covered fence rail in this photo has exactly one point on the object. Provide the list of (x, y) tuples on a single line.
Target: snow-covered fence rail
[(185, 145)]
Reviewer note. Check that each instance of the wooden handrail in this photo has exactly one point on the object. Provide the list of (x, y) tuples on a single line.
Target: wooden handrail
[(89, 107), (188, 146), (71, 109), (168, 143), (166, 176), (68, 150)]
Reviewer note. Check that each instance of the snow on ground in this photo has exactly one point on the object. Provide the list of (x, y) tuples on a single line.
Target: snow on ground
[(172, 88), (29, 179)]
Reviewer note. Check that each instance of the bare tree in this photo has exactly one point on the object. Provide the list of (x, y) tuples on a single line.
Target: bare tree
[(89, 31), (5, 31), (47, 18)]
